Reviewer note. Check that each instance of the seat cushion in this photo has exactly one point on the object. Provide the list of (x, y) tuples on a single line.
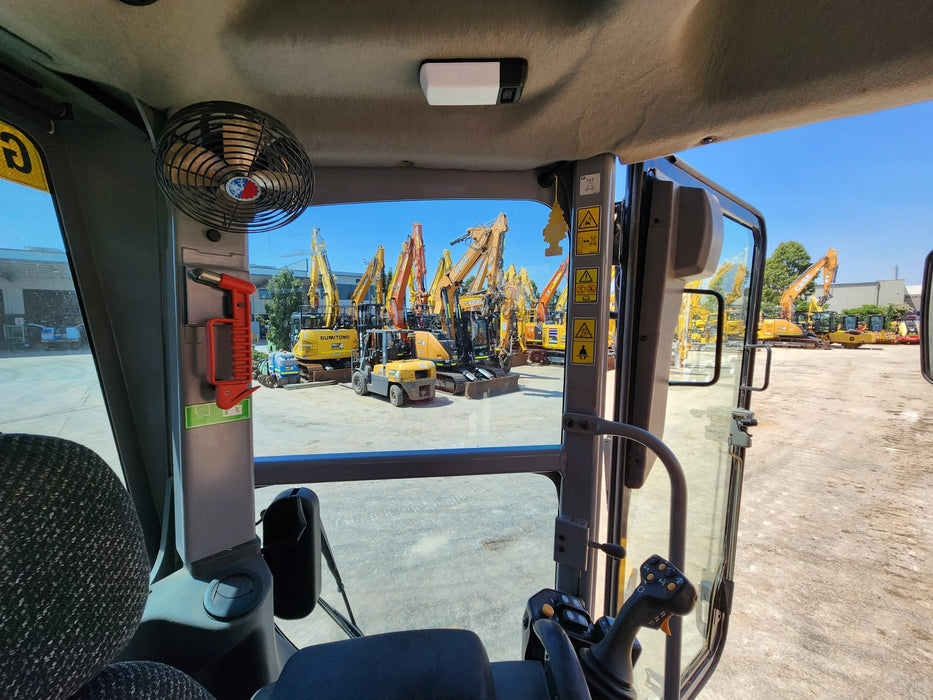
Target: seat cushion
[(142, 680), (437, 663), (74, 575)]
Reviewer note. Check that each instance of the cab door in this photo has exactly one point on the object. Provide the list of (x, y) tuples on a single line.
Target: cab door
[(697, 403)]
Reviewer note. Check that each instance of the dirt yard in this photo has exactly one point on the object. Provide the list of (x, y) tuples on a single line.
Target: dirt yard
[(834, 581)]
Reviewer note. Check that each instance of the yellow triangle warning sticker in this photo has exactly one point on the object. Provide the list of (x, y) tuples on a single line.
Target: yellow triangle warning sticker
[(585, 276), (588, 221), (583, 330)]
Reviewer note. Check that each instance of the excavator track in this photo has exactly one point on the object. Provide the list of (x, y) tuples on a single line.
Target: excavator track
[(336, 371), (451, 383)]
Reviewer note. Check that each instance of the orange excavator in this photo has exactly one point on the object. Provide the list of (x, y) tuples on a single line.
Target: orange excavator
[(783, 332), (535, 334), (412, 249)]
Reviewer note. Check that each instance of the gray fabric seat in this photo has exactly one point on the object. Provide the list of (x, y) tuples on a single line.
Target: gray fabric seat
[(74, 577)]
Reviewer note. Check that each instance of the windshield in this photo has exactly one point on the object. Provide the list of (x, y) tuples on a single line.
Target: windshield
[(452, 276)]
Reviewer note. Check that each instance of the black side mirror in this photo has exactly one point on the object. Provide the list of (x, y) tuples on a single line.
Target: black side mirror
[(926, 321), (696, 355)]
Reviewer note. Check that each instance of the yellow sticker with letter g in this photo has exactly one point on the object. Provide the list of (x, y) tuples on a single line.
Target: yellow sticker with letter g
[(19, 159)]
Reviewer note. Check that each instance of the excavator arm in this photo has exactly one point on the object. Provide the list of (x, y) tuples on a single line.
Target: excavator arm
[(314, 275), (418, 292), (511, 320), (549, 290), (738, 283), (527, 288), (395, 304), (328, 281), (482, 238), (828, 265), (489, 273), (443, 267), (375, 272)]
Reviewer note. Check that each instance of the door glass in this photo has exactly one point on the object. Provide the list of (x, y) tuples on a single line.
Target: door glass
[(696, 428), (49, 380)]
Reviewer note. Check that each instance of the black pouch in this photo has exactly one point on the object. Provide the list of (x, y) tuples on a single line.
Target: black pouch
[(291, 538)]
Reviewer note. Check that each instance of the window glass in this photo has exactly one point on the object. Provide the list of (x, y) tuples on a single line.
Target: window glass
[(49, 380), (461, 279), (464, 552), (696, 428)]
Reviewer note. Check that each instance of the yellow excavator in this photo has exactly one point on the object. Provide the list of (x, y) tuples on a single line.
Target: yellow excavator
[(323, 348), (512, 320), (444, 266), (369, 315), (734, 323), (463, 344), (783, 332)]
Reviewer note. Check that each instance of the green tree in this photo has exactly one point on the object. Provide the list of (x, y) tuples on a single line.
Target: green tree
[(864, 311), (784, 266), (286, 294)]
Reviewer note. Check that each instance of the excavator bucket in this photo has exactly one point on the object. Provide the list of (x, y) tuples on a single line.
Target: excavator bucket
[(485, 388)]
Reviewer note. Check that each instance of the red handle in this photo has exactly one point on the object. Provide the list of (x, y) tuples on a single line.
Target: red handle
[(231, 391)]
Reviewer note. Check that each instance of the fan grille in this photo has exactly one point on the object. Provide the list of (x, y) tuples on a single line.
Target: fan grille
[(232, 167)]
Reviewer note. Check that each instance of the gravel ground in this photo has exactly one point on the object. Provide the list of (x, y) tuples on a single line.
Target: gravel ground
[(834, 581)]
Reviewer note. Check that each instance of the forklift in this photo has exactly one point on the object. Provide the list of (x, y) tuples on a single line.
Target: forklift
[(385, 365)]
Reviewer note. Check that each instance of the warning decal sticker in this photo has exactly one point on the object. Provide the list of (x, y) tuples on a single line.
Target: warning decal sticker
[(587, 231), (583, 346), (585, 289)]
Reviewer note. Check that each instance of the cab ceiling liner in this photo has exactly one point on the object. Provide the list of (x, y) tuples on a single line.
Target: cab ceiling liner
[(639, 78)]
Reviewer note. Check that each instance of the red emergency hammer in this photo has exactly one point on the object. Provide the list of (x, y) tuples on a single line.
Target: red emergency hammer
[(231, 391)]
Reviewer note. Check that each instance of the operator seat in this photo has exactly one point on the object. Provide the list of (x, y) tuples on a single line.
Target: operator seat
[(74, 578)]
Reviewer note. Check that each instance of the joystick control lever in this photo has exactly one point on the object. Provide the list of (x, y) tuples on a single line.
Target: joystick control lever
[(663, 592)]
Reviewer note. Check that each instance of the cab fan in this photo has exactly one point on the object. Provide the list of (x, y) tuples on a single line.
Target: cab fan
[(233, 167)]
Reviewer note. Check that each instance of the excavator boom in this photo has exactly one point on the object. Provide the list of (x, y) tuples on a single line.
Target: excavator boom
[(443, 267), (484, 237), (550, 289), (395, 304), (828, 265), (322, 274), (375, 272), (419, 294)]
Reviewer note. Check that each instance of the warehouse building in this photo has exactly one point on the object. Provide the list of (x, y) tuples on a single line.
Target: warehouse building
[(37, 292)]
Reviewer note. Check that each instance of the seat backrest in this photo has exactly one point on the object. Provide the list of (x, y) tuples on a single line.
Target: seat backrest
[(74, 573)]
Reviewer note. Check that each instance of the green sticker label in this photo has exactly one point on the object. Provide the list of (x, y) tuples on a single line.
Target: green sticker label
[(200, 414)]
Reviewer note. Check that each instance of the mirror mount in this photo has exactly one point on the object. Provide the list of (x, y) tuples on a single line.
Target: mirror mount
[(926, 320)]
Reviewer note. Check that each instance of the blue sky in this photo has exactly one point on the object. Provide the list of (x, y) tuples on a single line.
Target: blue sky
[(861, 185)]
